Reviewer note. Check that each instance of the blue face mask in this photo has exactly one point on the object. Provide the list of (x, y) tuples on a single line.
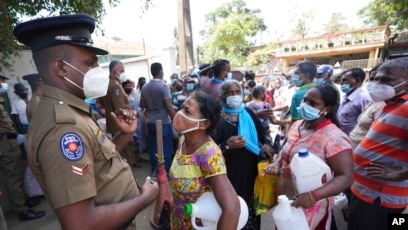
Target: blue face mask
[(234, 101), (345, 88), (320, 81), (307, 112), (296, 80), (190, 87), (246, 92), (173, 81)]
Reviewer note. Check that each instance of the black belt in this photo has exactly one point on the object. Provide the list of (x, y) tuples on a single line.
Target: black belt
[(8, 136)]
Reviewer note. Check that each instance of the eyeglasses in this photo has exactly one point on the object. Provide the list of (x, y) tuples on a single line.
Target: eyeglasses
[(74, 39)]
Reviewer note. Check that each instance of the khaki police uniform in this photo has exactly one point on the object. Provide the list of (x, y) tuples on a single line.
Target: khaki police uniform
[(71, 158), (10, 160), (116, 99), (32, 106)]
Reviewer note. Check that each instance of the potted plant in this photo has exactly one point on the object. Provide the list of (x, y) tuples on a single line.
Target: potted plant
[(330, 44)]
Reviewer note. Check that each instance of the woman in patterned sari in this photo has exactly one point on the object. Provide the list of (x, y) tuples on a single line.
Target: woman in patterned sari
[(198, 165), (318, 132)]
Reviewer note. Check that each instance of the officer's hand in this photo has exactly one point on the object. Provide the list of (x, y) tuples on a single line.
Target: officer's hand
[(150, 189), (126, 120)]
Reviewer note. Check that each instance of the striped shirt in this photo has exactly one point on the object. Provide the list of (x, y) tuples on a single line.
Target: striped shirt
[(386, 143)]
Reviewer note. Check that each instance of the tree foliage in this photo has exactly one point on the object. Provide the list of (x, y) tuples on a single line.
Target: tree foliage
[(386, 12), (260, 57), (336, 24), (12, 12), (228, 32), (303, 24)]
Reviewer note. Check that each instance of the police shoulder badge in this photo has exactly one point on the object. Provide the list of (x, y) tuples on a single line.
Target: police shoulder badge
[(71, 146), (117, 92)]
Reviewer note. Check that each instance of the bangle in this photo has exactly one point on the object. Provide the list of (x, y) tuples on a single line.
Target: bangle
[(312, 198)]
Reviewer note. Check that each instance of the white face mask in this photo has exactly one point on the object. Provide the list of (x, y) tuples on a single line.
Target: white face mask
[(4, 87), (181, 127), (123, 77), (95, 83), (381, 92), (234, 101), (229, 76)]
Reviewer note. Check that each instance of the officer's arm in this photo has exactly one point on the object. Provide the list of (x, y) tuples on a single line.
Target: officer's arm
[(85, 215)]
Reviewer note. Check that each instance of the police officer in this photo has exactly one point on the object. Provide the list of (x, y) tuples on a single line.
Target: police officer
[(115, 100), (83, 176), (36, 85), (10, 161)]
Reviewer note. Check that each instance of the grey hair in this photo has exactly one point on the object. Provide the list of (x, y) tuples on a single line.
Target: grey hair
[(225, 86)]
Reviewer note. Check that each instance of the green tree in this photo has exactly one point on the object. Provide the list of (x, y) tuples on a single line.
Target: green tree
[(260, 56), (304, 21), (12, 11), (386, 12), (228, 33), (336, 24)]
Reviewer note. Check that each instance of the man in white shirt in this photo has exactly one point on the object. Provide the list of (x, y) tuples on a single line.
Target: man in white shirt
[(18, 108)]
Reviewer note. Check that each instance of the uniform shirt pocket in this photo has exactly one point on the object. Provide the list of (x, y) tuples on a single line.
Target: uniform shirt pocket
[(112, 161)]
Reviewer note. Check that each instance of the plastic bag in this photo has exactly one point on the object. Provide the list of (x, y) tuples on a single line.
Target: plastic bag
[(265, 190)]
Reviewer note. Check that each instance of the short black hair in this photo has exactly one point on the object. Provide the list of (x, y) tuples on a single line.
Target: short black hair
[(330, 96), (155, 69), (204, 69), (356, 73), (249, 75), (251, 83), (218, 66), (257, 91), (308, 67), (126, 82)]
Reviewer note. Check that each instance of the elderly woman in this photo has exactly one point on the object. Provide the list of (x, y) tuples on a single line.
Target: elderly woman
[(240, 134), (319, 132)]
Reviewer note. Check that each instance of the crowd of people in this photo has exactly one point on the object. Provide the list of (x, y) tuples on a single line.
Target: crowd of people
[(215, 131)]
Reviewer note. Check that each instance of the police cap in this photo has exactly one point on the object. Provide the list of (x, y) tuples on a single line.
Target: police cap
[(32, 77), (3, 76), (50, 31)]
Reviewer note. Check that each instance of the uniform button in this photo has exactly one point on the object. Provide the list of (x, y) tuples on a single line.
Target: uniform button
[(60, 102)]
